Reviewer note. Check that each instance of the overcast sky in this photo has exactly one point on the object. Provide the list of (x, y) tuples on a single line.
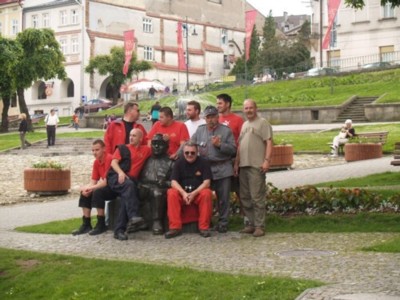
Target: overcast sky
[(292, 7)]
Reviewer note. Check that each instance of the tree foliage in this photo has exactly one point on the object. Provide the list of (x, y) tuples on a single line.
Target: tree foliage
[(112, 65), (239, 68), (39, 57), (10, 54), (359, 4), (279, 55)]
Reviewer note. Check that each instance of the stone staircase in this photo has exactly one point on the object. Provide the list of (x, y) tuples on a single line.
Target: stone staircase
[(63, 146), (355, 111)]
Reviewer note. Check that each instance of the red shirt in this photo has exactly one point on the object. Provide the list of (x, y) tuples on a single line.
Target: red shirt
[(177, 132), (234, 122), (139, 155), (115, 135), (100, 168)]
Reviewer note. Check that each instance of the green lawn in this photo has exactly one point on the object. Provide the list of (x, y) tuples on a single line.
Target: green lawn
[(320, 91), (387, 179), (318, 142), (11, 140), (303, 142), (29, 275)]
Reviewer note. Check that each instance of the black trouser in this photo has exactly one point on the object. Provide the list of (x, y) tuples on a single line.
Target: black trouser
[(85, 202), (127, 191), (51, 134)]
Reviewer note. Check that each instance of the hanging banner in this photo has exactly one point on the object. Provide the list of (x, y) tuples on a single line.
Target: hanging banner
[(250, 20), (333, 6), (129, 43), (181, 55)]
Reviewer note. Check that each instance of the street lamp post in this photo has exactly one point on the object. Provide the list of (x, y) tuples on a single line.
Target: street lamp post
[(82, 18), (187, 56), (194, 33)]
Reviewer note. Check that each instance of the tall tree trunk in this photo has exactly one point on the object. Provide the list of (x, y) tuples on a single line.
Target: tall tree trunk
[(23, 108), (115, 92), (4, 114)]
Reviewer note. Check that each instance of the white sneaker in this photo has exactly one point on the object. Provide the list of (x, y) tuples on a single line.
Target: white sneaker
[(333, 155)]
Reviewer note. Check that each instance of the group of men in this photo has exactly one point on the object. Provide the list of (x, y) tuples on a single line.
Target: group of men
[(205, 155)]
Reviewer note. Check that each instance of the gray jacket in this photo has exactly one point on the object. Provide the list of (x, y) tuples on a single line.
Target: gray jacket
[(220, 158)]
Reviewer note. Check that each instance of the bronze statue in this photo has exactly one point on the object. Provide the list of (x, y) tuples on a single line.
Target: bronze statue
[(153, 184)]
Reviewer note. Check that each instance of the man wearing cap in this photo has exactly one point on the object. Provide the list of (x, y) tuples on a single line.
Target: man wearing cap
[(343, 137), (217, 144)]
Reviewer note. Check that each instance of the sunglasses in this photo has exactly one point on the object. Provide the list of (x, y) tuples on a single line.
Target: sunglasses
[(190, 153)]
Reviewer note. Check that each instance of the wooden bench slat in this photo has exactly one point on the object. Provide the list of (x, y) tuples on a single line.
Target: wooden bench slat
[(378, 137)]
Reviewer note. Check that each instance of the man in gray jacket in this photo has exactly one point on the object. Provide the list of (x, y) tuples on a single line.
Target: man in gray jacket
[(216, 143)]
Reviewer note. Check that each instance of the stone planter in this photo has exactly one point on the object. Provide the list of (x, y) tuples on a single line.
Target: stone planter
[(47, 181), (361, 151), (282, 157)]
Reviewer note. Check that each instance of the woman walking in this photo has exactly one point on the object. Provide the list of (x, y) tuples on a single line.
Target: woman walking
[(23, 128)]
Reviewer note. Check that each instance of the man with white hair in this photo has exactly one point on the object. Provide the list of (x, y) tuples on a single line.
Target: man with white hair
[(343, 137)]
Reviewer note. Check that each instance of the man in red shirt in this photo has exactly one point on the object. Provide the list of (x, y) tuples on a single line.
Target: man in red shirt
[(101, 165), (118, 131), (122, 182), (228, 118), (173, 131), (234, 122)]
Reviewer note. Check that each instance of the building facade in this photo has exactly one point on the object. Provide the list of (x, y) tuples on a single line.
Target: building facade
[(66, 18), (358, 37), (213, 39)]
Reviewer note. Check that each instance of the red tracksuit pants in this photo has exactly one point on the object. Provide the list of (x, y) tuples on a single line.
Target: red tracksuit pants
[(175, 203)]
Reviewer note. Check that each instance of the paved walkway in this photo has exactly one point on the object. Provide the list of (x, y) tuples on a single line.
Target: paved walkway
[(332, 258)]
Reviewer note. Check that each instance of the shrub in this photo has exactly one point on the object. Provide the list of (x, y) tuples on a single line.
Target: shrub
[(310, 200), (49, 164)]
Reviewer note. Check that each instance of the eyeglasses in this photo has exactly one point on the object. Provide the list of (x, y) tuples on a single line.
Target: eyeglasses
[(190, 153)]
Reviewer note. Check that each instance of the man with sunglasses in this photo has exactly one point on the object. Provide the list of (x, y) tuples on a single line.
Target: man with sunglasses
[(118, 131), (190, 183), (217, 144)]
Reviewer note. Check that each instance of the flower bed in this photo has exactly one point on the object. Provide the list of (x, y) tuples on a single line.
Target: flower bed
[(282, 156), (311, 200), (47, 178), (361, 151)]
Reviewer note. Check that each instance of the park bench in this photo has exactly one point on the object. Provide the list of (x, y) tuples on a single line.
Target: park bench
[(367, 137)]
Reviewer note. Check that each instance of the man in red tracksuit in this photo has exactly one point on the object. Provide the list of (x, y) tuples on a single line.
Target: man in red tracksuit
[(118, 131), (190, 183)]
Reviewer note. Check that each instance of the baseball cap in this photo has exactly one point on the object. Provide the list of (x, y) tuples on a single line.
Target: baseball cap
[(210, 110)]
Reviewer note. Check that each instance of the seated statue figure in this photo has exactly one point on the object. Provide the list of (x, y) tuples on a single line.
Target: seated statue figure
[(153, 185)]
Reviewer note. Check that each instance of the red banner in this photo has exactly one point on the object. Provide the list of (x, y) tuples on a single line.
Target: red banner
[(333, 6), (129, 43), (181, 56), (250, 20)]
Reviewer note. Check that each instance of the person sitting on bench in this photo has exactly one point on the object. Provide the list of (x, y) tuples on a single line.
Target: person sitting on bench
[(343, 137), (190, 183)]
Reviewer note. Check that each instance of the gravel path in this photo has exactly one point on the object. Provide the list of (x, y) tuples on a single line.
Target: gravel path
[(332, 258)]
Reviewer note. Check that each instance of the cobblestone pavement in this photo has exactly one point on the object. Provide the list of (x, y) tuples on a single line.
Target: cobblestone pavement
[(334, 259), (12, 189)]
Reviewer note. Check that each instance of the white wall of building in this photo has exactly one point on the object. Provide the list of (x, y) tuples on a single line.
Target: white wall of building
[(360, 33)]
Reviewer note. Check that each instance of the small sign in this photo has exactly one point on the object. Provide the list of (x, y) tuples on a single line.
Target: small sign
[(84, 99)]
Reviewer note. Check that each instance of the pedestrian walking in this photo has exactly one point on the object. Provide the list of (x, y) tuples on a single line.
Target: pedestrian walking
[(51, 122)]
